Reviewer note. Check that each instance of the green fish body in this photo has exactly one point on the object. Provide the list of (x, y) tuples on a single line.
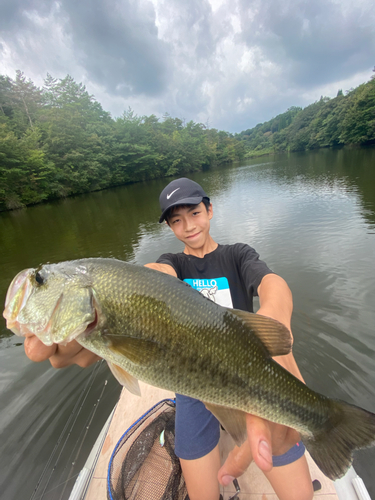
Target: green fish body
[(152, 327)]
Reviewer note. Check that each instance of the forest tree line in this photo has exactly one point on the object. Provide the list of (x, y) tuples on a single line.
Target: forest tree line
[(346, 119), (57, 141)]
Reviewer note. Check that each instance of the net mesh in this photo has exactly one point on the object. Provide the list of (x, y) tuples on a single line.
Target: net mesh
[(143, 465)]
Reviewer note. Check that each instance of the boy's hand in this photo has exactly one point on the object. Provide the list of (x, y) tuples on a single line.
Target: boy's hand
[(59, 355), (264, 440)]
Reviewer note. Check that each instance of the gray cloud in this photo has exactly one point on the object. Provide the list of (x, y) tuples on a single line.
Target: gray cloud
[(12, 13), (118, 45), (115, 41), (316, 41), (228, 63)]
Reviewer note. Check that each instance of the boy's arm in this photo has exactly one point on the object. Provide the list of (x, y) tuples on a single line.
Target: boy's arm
[(163, 268), (276, 302), (264, 437), (275, 299)]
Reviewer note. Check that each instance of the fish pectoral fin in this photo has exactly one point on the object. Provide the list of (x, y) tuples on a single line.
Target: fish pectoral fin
[(125, 379), (138, 351), (233, 421), (275, 336)]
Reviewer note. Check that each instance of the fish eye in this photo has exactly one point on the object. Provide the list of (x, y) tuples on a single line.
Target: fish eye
[(39, 278)]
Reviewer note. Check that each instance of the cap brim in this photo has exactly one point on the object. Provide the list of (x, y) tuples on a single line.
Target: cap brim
[(185, 201)]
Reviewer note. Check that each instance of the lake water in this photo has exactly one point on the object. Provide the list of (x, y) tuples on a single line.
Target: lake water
[(311, 216)]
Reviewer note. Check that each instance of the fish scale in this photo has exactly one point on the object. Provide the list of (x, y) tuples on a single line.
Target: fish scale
[(152, 327)]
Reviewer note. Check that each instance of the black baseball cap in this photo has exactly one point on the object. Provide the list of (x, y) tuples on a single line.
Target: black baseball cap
[(180, 192)]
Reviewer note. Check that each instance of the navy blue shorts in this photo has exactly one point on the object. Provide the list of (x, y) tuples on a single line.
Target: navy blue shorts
[(292, 455), (197, 432)]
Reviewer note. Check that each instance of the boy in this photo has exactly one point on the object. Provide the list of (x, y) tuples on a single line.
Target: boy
[(231, 275)]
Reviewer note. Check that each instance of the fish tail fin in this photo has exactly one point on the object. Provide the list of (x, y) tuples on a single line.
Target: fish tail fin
[(348, 428)]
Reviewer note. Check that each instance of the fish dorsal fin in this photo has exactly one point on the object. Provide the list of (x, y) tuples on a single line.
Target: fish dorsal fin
[(233, 421), (125, 379), (138, 351), (275, 337)]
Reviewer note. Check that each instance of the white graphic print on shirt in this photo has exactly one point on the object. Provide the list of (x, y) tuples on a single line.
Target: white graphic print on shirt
[(216, 289)]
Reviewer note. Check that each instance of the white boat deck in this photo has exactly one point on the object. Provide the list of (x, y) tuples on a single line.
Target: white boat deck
[(254, 485)]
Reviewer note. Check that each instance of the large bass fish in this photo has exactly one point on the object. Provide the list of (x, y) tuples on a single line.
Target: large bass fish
[(155, 328)]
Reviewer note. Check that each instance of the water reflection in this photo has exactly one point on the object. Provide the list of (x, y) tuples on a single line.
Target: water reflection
[(310, 215)]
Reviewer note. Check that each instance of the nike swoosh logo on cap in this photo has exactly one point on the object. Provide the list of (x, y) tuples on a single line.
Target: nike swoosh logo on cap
[(169, 195)]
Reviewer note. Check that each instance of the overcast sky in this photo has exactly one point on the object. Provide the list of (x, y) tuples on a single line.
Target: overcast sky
[(229, 64)]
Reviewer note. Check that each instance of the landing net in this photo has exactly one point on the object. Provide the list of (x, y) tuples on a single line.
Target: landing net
[(143, 465)]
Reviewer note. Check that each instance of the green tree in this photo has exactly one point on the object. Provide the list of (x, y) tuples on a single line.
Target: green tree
[(26, 175), (359, 122), (5, 98), (25, 100)]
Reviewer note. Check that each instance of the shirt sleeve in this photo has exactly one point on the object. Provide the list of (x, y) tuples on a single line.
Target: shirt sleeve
[(252, 269)]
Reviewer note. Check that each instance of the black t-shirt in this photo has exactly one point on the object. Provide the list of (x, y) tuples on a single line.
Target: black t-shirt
[(230, 275)]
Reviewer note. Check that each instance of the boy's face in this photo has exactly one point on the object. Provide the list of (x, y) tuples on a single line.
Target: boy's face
[(191, 224)]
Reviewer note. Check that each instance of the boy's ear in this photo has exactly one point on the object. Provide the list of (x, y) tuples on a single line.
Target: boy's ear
[(210, 211)]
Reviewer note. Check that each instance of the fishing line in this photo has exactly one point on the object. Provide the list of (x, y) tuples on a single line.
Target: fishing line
[(91, 380), (77, 407), (96, 458), (82, 438), (58, 485), (75, 476), (83, 392)]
